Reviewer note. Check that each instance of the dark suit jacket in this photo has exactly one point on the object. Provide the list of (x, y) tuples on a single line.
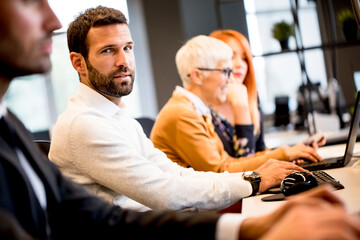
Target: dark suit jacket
[(74, 213)]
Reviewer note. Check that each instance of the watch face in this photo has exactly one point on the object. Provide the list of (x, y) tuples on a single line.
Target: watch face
[(256, 175), (251, 175), (248, 173)]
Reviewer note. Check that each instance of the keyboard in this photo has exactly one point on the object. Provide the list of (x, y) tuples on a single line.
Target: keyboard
[(326, 164), (320, 176), (323, 177)]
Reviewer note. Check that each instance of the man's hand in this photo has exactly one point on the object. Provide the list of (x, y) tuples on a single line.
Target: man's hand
[(316, 223), (310, 215), (273, 172)]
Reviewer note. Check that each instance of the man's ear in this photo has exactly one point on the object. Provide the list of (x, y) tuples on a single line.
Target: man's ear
[(196, 77), (78, 62)]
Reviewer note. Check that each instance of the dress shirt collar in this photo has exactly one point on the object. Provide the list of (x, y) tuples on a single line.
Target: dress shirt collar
[(3, 110), (101, 103), (200, 106)]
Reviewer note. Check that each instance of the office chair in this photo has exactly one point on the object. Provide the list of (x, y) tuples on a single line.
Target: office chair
[(147, 124), (44, 146), (41, 135)]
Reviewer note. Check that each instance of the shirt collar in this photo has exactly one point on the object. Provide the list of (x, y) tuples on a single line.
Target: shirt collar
[(101, 103), (3, 110), (200, 106)]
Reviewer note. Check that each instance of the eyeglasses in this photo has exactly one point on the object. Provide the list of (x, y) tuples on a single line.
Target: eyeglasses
[(226, 71)]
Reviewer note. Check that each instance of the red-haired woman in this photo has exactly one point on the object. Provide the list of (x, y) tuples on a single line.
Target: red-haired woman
[(238, 120)]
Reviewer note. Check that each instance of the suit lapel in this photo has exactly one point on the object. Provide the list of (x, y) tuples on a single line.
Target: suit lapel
[(33, 154), (23, 200), (9, 154)]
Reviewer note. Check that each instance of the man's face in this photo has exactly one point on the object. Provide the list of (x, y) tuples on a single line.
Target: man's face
[(111, 62), (26, 37)]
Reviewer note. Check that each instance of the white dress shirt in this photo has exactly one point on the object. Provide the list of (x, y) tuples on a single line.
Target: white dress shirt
[(97, 144)]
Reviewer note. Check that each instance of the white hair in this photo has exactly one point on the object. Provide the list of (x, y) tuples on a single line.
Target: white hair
[(200, 52)]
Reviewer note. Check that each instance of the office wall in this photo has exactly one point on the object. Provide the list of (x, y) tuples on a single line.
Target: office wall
[(165, 36), (144, 67), (170, 23)]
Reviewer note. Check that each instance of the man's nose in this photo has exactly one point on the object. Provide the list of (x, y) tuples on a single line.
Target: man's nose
[(51, 21), (122, 59)]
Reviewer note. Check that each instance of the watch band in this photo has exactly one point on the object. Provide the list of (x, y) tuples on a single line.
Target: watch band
[(255, 187), (254, 178)]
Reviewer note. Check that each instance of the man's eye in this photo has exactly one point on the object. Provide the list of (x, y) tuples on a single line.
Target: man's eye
[(128, 48), (108, 50)]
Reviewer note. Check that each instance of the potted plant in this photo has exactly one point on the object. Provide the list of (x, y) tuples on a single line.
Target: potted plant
[(348, 24), (282, 31)]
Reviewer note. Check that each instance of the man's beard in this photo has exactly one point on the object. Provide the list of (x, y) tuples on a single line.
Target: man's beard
[(105, 84)]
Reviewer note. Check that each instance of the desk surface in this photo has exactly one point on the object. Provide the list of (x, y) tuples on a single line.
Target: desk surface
[(275, 139), (349, 176)]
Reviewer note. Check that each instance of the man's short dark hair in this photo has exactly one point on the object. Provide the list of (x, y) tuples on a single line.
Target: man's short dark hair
[(92, 17)]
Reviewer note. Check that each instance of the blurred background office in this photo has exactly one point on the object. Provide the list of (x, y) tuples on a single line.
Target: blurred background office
[(322, 55)]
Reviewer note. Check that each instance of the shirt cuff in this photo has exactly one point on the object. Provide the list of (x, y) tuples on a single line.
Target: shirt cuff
[(239, 186), (249, 187), (228, 226)]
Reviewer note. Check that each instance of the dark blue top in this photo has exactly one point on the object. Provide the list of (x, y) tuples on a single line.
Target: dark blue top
[(238, 141)]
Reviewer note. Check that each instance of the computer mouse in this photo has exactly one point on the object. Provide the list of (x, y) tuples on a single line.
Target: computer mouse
[(297, 182)]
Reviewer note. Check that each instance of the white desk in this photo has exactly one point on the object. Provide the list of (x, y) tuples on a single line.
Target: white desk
[(291, 137), (348, 176)]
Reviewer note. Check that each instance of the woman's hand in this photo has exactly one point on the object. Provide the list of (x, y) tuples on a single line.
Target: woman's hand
[(301, 151), (238, 98)]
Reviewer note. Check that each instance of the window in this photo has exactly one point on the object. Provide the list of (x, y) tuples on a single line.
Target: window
[(38, 99), (357, 80), (278, 72)]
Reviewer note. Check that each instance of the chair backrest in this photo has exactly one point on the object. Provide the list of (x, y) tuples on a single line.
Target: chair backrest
[(41, 135), (44, 146), (147, 124)]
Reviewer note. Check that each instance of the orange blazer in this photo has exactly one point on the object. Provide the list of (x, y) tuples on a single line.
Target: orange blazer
[(189, 140)]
